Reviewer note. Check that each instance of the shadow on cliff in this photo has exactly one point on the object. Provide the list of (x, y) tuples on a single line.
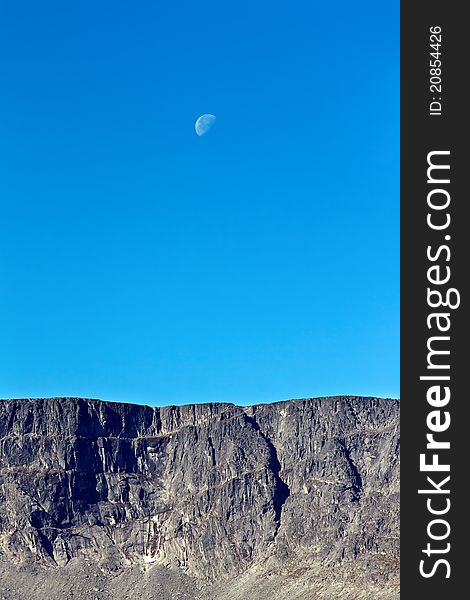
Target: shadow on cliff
[(282, 491)]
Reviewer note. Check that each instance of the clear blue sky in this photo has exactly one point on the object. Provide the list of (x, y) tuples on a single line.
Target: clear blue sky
[(140, 262)]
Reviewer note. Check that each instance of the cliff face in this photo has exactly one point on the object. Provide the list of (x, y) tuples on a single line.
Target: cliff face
[(212, 490)]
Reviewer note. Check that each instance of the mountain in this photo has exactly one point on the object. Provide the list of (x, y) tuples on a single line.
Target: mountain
[(290, 500)]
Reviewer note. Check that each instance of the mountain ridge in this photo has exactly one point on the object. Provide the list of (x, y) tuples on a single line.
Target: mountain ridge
[(213, 492)]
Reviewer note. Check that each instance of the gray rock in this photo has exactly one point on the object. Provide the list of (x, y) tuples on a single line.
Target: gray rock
[(295, 499)]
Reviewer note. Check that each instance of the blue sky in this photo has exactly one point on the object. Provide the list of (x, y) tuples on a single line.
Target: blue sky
[(140, 262)]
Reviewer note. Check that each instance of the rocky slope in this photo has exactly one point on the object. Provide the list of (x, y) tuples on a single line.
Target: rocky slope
[(295, 499)]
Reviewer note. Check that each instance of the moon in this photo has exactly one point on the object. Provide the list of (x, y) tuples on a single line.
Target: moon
[(204, 123)]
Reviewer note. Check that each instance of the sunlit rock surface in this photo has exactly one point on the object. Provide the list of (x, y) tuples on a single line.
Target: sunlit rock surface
[(295, 499)]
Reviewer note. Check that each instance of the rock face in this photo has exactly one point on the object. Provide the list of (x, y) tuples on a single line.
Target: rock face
[(211, 493)]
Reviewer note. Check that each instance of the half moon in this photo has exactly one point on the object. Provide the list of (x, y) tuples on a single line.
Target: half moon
[(204, 123)]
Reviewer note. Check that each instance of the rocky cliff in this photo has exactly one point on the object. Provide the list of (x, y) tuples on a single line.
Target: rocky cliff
[(295, 499)]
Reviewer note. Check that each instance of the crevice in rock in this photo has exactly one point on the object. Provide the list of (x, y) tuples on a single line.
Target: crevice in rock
[(46, 544), (282, 490), (355, 475), (212, 451)]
